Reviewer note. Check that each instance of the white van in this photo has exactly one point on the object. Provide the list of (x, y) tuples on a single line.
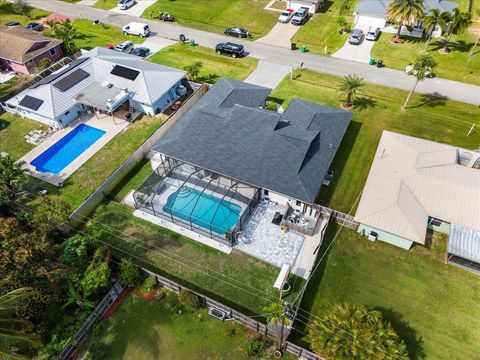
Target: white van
[(136, 28)]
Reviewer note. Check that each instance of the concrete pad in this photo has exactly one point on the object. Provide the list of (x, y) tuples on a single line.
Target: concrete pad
[(280, 35), (155, 44), (359, 53), (135, 10), (268, 74)]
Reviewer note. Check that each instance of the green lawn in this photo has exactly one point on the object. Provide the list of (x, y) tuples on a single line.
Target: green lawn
[(166, 331), (106, 4), (451, 66), (216, 15), (434, 307), (214, 66), (7, 14), (322, 29), (378, 109)]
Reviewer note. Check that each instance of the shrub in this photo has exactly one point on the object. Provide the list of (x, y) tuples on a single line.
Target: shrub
[(130, 274), (149, 284), (74, 251), (97, 350), (255, 347), (230, 329), (97, 276), (189, 300)]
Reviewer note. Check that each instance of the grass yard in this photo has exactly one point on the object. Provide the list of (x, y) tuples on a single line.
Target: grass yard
[(214, 66), (378, 108), (322, 29), (106, 4), (217, 15), (435, 308), (451, 66), (167, 334), (7, 14)]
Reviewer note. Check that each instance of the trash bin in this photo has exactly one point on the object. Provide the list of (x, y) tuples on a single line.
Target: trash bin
[(293, 46), (304, 49), (182, 38), (380, 63), (371, 61)]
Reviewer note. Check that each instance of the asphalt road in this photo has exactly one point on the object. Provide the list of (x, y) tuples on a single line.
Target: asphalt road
[(455, 90)]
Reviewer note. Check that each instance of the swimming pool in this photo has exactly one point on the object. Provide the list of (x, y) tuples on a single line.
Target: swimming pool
[(58, 156), (205, 209)]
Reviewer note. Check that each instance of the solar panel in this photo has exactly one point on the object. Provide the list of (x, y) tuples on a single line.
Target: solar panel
[(71, 80), (31, 102), (124, 72), (53, 77)]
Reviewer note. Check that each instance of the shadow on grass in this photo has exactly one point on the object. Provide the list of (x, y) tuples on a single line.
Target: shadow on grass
[(363, 103), (408, 334), (430, 100), (4, 124), (325, 6)]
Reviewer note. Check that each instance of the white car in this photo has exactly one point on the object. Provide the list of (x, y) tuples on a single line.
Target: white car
[(125, 4), (372, 34), (126, 47), (285, 17)]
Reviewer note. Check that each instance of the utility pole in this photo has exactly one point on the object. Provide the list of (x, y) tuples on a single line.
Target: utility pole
[(280, 338)]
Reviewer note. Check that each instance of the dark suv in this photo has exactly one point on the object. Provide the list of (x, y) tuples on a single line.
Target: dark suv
[(234, 50)]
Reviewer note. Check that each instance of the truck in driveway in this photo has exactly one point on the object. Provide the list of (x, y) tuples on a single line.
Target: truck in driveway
[(300, 16)]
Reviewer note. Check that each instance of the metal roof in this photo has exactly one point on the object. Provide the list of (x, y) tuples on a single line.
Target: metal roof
[(380, 7), (227, 132), (411, 179), (464, 242)]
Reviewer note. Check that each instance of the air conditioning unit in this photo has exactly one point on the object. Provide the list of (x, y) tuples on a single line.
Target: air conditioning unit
[(372, 236)]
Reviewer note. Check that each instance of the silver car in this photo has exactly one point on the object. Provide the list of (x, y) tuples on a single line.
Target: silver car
[(372, 34), (356, 37)]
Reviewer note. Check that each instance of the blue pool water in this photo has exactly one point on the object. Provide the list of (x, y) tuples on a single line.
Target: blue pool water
[(204, 208), (67, 149)]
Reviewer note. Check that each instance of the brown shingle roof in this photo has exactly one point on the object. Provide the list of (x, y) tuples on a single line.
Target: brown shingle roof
[(16, 43)]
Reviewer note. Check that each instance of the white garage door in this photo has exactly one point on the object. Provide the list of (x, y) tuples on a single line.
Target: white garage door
[(295, 5), (369, 20)]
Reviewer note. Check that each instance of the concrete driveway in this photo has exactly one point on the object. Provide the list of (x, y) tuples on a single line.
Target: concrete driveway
[(135, 10), (359, 53), (280, 35), (155, 44), (268, 74)]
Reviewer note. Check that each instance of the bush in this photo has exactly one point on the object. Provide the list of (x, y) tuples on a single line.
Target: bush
[(189, 300), (74, 251), (130, 274), (255, 347), (97, 276), (97, 350), (149, 284)]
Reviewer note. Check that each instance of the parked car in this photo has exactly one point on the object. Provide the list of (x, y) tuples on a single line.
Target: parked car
[(141, 51), (35, 26), (300, 16), (237, 32), (110, 47), (125, 4), (228, 48), (12, 23), (136, 28), (356, 37), (372, 34), (285, 17), (126, 47)]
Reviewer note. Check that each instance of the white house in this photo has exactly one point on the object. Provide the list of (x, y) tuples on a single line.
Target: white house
[(312, 5)]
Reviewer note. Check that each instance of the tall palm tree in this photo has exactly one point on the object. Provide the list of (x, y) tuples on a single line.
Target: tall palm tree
[(349, 86), (405, 12), (11, 334), (351, 331), (457, 23), (431, 21), (11, 174), (424, 63)]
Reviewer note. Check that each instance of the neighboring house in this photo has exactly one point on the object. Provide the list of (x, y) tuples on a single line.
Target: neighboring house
[(102, 80), (232, 148), (22, 49), (312, 5), (374, 13), (415, 185)]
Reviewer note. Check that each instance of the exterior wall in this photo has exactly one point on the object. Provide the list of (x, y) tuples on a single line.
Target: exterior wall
[(284, 200), (46, 55), (443, 228), (28, 68), (36, 117), (370, 20), (161, 104), (296, 4), (20, 68), (387, 237), (70, 115)]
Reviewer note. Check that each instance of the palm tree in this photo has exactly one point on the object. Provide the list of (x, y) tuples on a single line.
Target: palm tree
[(65, 32), (11, 175), (193, 70), (11, 334), (424, 64), (274, 314), (351, 331), (431, 21), (458, 22), (405, 12), (349, 86), (76, 297)]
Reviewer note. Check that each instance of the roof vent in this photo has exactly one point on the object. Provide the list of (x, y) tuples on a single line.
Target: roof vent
[(107, 84)]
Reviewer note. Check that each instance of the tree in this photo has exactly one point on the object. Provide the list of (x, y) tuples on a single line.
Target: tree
[(65, 32), (11, 175), (193, 70), (431, 21), (458, 22), (51, 214), (351, 331), (274, 314), (12, 334), (21, 7), (77, 297), (405, 12), (130, 274), (424, 64), (97, 276), (349, 86)]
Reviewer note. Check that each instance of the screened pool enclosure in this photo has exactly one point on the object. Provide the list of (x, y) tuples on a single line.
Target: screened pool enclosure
[(198, 199)]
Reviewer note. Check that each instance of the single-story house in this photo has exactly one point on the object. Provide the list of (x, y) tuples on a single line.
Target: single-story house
[(312, 5), (100, 80), (373, 13), (230, 145), (21, 49), (416, 184)]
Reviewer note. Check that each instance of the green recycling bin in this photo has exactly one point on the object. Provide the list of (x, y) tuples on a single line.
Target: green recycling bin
[(371, 61), (192, 42), (304, 49)]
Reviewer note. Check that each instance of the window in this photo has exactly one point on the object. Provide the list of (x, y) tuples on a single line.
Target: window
[(68, 112), (265, 192), (476, 165), (53, 51), (298, 203), (464, 158), (434, 222)]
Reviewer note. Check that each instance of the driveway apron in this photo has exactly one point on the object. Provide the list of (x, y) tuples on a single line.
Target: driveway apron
[(280, 35)]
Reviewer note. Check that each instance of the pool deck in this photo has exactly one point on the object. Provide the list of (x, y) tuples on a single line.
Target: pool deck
[(104, 122)]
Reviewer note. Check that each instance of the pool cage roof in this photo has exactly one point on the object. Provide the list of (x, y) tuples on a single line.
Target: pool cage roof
[(228, 205)]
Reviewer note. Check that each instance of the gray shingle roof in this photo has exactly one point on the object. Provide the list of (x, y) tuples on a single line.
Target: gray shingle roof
[(289, 154), (380, 7)]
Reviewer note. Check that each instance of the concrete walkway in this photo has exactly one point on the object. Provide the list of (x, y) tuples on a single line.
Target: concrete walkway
[(388, 77), (268, 74), (280, 35), (135, 10)]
